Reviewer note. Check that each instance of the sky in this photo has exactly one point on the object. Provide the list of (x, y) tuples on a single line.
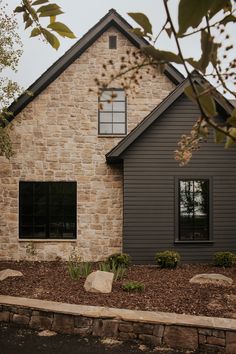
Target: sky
[(80, 16)]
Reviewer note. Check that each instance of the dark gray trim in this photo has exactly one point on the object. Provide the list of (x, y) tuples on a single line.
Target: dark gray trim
[(115, 134), (112, 18), (115, 153), (176, 209)]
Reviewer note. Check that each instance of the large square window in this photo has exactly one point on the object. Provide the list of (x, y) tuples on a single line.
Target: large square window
[(112, 112), (193, 209), (47, 210)]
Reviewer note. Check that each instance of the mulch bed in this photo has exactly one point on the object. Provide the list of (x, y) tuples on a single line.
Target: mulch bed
[(166, 290)]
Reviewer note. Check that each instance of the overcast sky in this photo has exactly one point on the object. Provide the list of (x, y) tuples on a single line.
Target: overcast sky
[(80, 16)]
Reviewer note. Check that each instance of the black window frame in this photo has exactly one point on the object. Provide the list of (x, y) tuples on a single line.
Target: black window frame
[(177, 209), (112, 42), (100, 102), (48, 206)]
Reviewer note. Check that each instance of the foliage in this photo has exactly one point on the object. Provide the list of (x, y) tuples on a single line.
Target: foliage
[(85, 269), (30, 249), (10, 52), (167, 259), (76, 268), (119, 271), (119, 260), (209, 19), (133, 286), (74, 264), (224, 259), (34, 11)]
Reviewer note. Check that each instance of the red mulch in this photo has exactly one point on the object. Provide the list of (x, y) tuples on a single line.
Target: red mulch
[(166, 290)]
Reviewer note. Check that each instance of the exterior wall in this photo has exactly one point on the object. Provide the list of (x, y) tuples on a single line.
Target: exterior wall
[(55, 139), (150, 174)]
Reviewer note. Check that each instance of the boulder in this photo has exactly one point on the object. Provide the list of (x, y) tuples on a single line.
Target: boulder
[(99, 282), (218, 279), (5, 273)]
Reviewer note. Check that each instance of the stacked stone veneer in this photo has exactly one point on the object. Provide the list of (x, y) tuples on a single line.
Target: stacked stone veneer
[(157, 329), (56, 139)]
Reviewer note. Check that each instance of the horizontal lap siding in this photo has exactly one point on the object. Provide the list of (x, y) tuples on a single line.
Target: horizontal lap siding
[(149, 189)]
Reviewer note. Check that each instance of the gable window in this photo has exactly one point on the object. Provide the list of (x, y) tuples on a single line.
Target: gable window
[(193, 209), (47, 210), (112, 42), (112, 112)]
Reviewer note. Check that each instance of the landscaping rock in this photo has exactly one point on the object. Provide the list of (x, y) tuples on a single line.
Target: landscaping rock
[(5, 273), (218, 279), (99, 282)]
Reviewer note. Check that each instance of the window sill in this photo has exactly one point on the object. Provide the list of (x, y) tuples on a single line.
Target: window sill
[(112, 136), (46, 240), (195, 242)]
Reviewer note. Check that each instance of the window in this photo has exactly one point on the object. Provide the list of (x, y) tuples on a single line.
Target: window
[(112, 42), (193, 209), (47, 210), (112, 112)]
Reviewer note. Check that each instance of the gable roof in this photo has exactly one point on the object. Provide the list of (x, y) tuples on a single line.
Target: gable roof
[(112, 18), (115, 154)]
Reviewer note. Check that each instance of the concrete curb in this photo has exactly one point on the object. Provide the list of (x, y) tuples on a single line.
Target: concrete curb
[(157, 328)]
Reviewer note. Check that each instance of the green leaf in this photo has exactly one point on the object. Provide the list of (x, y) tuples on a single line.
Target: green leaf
[(39, 2), (191, 13), (19, 9), (25, 16), (35, 32), (29, 23), (162, 55), (138, 32), (206, 45), (206, 101), (49, 10), (51, 13), (61, 29), (142, 20), (219, 5), (232, 119), (51, 39), (229, 141), (219, 136), (168, 31), (228, 19)]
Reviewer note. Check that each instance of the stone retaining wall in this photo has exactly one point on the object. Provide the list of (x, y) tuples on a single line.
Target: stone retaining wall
[(153, 328)]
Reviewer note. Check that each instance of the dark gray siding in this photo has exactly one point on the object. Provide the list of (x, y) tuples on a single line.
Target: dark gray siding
[(150, 174)]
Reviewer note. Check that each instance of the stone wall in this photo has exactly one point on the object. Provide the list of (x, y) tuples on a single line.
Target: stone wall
[(55, 139), (166, 330)]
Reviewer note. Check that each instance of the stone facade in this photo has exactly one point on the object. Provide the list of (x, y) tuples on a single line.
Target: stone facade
[(56, 139)]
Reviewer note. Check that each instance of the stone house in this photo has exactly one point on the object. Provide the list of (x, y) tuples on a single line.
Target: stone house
[(103, 178)]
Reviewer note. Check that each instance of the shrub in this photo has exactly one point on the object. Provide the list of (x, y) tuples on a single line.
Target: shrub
[(133, 286), (119, 260), (76, 268), (119, 272), (224, 259), (74, 265), (85, 269), (167, 259)]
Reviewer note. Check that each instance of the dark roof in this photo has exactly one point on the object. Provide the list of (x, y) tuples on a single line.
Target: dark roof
[(112, 18), (115, 154)]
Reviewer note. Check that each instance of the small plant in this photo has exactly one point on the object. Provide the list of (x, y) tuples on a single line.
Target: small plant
[(85, 269), (167, 259), (30, 249), (74, 265), (119, 260), (224, 259), (111, 267), (133, 286)]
